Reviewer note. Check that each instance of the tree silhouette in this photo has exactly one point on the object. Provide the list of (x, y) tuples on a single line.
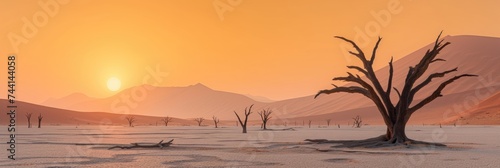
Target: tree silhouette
[(131, 120), (395, 115), (357, 122), (199, 120), (28, 116), (40, 117), (243, 124), (216, 121), (265, 115), (166, 120)]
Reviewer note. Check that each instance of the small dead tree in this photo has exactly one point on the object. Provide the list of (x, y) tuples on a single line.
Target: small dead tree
[(28, 116), (166, 120), (40, 117), (216, 121), (357, 122), (130, 120), (309, 123), (243, 124), (265, 115), (328, 122), (199, 120)]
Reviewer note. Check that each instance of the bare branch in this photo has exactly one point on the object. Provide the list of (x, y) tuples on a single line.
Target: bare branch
[(436, 93), (429, 79), (389, 82), (397, 91), (359, 69), (437, 59), (350, 89), (360, 53), (375, 51)]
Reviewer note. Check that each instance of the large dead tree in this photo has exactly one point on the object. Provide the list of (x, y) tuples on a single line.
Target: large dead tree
[(28, 116), (40, 117), (265, 115), (166, 120), (199, 120), (216, 121), (395, 115), (130, 120), (248, 111)]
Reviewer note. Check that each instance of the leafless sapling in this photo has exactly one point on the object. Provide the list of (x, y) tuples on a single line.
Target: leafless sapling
[(248, 111), (265, 115), (28, 116), (216, 121), (40, 117), (130, 120), (357, 122), (166, 120), (199, 120)]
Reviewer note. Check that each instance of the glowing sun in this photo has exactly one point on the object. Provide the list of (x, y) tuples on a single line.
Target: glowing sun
[(114, 84)]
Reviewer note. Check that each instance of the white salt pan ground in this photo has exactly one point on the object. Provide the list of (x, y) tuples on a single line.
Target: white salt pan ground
[(86, 146)]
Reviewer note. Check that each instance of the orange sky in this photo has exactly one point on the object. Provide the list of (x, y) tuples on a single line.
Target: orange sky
[(277, 49)]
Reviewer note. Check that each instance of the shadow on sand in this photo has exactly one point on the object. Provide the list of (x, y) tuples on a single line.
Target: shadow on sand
[(376, 142)]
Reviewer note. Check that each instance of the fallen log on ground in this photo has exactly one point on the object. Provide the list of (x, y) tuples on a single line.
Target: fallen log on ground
[(160, 145)]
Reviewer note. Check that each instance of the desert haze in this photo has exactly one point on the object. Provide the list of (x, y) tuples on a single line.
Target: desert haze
[(250, 83), (459, 129), (472, 54)]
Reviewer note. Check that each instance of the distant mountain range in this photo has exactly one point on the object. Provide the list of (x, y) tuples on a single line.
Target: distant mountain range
[(471, 54)]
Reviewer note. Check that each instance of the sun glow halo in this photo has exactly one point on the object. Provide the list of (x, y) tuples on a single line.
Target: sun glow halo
[(114, 84)]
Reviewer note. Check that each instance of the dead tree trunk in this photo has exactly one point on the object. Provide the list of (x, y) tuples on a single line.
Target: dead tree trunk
[(395, 115), (160, 145), (130, 120), (40, 117), (243, 124), (166, 120), (199, 120), (28, 116), (357, 122), (265, 115), (216, 121)]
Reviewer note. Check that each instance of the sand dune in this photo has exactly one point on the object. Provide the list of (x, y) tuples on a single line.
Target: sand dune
[(485, 113), (56, 116), (472, 54)]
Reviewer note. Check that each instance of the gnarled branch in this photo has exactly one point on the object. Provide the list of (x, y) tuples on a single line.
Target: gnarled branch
[(437, 92), (429, 79)]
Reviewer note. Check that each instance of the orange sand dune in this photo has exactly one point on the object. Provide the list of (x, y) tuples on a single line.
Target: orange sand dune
[(471, 54), (56, 116), (485, 113)]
